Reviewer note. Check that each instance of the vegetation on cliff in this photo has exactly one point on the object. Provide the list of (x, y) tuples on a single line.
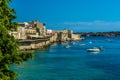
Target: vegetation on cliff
[(9, 48)]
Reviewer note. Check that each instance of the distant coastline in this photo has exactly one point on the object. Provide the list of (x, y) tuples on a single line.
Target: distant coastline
[(108, 34)]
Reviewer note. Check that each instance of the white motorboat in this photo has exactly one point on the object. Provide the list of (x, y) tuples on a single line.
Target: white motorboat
[(82, 44), (93, 50)]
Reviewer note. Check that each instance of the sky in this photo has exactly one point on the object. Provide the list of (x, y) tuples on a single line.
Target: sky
[(76, 15)]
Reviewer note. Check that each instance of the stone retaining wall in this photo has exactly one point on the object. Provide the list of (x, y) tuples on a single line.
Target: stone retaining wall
[(41, 43), (33, 44)]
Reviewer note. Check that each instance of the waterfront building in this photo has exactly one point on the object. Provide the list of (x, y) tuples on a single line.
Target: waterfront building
[(29, 29), (23, 24), (19, 33), (39, 27)]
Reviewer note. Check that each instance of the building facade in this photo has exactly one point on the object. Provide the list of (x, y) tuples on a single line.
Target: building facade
[(27, 29)]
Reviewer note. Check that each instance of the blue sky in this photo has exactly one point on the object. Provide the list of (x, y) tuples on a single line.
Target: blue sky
[(77, 15)]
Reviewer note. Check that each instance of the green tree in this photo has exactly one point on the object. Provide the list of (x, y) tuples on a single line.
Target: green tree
[(9, 48)]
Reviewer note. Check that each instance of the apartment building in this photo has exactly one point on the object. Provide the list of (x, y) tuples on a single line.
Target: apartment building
[(27, 29)]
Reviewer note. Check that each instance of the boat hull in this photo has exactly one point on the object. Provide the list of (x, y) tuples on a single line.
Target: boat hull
[(93, 50)]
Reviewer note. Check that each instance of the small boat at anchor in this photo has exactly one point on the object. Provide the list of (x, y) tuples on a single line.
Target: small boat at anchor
[(94, 49), (82, 44)]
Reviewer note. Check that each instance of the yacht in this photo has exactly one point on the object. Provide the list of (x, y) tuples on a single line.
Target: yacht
[(94, 49)]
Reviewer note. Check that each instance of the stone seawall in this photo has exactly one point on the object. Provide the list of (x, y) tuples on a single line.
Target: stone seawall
[(33, 44)]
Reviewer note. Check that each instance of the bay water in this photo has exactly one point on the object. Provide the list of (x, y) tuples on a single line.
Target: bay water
[(74, 63)]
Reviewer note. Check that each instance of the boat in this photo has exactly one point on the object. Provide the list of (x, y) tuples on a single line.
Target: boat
[(94, 49), (82, 44)]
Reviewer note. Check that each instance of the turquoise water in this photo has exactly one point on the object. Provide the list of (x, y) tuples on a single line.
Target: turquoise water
[(74, 63)]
